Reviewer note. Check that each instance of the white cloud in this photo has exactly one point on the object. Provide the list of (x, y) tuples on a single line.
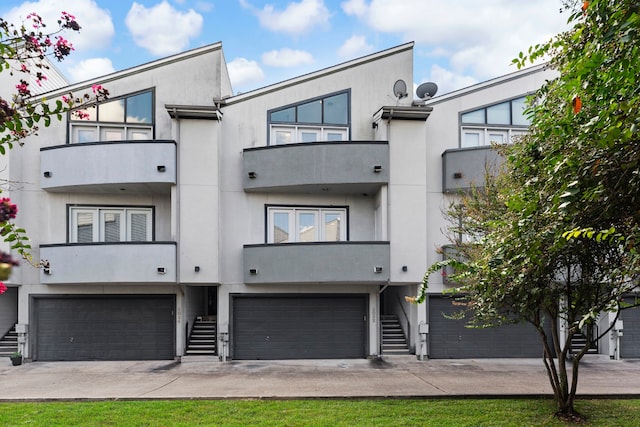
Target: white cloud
[(286, 58), (204, 6), (297, 18), (446, 80), (355, 46), (161, 29), (481, 37), (97, 26), (354, 7), (244, 72), (88, 68)]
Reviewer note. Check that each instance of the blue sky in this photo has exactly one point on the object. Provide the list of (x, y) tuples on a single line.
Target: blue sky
[(457, 42)]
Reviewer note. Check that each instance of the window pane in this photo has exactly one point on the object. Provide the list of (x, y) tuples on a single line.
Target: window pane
[(85, 134), (287, 115), (139, 134), (471, 139), (280, 227), (139, 108), (497, 138), (310, 112), (475, 117), (111, 134), (283, 137), (112, 111), (332, 227), (517, 110), (499, 114), (84, 224), (308, 136), (336, 136), (88, 114), (112, 226), (307, 227), (336, 109), (138, 227)]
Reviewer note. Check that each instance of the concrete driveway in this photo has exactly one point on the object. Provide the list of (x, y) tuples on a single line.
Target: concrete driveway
[(397, 376)]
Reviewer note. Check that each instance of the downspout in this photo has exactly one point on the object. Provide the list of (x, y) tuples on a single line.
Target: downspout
[(177, 216), (382, 289)]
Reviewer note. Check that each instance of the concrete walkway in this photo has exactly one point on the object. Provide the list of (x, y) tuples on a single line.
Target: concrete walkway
[(397, 376)]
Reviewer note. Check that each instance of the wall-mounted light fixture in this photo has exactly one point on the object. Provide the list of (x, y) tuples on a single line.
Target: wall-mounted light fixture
[(161, 270), (253, 271), (377, 168), (374, 125), (404, 268), (252, 175), (47, 174), (162, 168), (196, 268), (46, 266), (457, 175), (377, 269)]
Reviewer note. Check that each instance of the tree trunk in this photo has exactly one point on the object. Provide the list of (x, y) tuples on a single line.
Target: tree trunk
[(564, 390)]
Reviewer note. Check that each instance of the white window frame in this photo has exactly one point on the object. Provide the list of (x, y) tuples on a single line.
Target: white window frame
[(295, 132), (99, 223), (486, 132), (294, 223), (127, 132)]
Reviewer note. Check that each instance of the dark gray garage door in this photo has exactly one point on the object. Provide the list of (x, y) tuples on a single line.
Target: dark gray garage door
[(104, 328), (299, 327), (630, 340), (450, 339)]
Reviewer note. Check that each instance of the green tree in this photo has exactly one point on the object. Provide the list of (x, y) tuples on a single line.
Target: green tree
[(25, 50), (551, 239)]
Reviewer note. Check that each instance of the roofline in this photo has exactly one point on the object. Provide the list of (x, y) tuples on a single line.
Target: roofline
[(319, 73), (488, 83), (135, 70)]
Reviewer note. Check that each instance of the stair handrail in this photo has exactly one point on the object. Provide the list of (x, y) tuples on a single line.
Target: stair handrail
[(406, 318), (187, 333)]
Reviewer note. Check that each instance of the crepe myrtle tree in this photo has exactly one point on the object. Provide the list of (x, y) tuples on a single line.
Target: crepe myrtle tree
[(551, 238), (24, 52)]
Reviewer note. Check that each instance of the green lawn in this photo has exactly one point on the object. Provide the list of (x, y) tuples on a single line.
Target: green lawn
[(320, 412)]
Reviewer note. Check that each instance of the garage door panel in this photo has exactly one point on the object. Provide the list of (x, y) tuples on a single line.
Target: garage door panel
[(451, 339), (299, 327), (105, 328), (630, 340)]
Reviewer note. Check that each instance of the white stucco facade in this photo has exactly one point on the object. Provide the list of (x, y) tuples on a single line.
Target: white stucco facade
[(207, 187)]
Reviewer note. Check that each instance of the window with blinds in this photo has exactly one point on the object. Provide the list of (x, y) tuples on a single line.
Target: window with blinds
[(107, 224)]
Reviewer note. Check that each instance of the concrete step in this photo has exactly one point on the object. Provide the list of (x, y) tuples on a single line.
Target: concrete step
[(203, 338)]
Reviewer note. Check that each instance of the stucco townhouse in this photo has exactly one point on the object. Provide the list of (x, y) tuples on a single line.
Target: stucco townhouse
[(288, 222)]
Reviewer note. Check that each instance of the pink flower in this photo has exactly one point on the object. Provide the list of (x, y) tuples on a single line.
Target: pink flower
[(23, 88), (3, 288), (8, 210), (62, 48), (82, 115), (68, 21), (96, 88)]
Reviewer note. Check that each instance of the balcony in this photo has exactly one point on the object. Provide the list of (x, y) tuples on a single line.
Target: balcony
[(464, 168), (319, 167), (317, 263), (147, 166), (109, 263)]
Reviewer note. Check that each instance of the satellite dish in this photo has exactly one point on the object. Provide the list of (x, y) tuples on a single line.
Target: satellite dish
[(426, 90), (400, 89)]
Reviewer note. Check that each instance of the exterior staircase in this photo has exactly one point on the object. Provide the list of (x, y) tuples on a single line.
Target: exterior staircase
[(578, 341), (9, 343), (394, 341), (203, 338)]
